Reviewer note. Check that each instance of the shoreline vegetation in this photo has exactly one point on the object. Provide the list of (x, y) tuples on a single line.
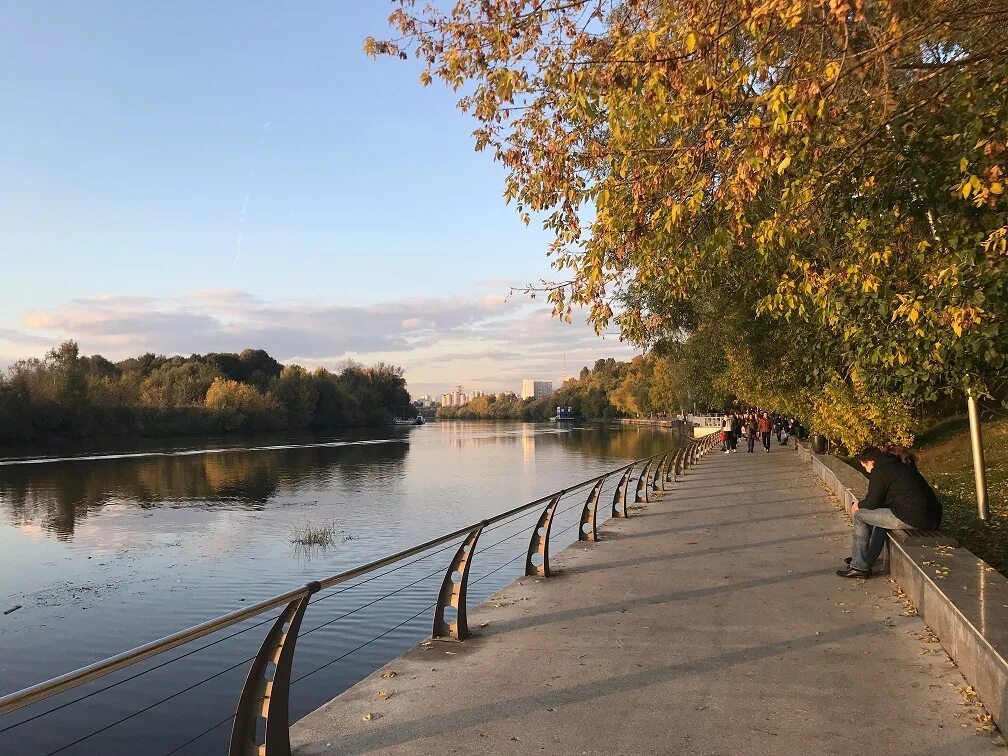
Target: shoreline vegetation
[(649, 384), (65, 396)]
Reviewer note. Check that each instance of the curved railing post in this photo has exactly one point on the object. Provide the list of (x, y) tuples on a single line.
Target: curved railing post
[(586, 531), (267, 697), (539, 543), (453, 593), (679, 462), (657, 479), (619, 495), (641, 492)]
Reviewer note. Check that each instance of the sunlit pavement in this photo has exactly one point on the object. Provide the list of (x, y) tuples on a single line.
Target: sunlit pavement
[(710, 622)]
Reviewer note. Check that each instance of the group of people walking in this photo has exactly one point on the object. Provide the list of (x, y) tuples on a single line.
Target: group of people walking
[(753, 425)]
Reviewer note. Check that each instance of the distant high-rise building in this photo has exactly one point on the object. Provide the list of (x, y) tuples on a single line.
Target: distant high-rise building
[(457, 397), (533, 389)]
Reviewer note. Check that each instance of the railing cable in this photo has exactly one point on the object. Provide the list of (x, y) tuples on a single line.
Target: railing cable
[(383, 574), (396, 627), (150, 706), (438, 571), (270, 619), (139, 674), (239, 632), (248, 660), (205, 732), (362, 645)]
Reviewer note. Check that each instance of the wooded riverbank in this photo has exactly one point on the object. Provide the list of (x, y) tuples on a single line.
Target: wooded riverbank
[(66, 396)]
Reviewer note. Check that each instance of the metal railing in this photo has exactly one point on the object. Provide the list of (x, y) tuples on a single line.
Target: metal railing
[(264, 697)]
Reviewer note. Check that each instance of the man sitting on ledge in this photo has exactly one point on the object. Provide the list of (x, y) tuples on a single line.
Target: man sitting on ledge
[(898, 498)]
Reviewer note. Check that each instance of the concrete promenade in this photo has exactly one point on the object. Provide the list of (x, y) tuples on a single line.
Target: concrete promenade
[(710, 622)]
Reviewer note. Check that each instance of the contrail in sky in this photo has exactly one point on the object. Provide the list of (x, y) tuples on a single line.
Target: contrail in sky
[(248, 195)]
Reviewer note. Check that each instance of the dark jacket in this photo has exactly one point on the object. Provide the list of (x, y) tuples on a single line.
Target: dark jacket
[(902, 489)]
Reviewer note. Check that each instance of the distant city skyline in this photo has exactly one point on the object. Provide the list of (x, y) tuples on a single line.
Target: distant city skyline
[(208, 177)]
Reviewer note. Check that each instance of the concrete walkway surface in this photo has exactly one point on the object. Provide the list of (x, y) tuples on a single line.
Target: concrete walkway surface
[(709, 622)]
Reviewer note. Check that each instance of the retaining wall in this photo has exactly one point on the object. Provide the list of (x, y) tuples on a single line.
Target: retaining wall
[(960, 597)]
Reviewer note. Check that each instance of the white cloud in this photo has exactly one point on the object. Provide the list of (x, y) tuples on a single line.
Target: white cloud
[(489, 343)]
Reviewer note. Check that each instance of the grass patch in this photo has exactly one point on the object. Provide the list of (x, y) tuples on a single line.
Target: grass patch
[(946, 459), (318, 535)]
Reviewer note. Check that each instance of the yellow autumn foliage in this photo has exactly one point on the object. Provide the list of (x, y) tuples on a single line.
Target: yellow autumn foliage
[(856, 418)]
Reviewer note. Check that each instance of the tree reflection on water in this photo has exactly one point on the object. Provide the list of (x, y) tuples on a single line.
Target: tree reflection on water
[(57, 495)]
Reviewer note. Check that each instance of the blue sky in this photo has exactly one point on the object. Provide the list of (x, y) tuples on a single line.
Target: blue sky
[(181, 177)]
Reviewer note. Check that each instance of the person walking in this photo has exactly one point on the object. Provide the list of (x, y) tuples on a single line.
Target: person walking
[(751, 426), (898, 498), (736, 428), (792, 432), (765, 427)]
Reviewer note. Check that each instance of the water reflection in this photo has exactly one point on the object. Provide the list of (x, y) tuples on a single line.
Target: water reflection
[(615, 442), (528, 446), (58, 495)]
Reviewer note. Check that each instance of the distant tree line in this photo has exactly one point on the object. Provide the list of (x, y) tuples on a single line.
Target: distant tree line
[(652, 384), (65, 395)]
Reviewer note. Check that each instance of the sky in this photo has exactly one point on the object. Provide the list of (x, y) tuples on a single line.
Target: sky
[(184, 177)]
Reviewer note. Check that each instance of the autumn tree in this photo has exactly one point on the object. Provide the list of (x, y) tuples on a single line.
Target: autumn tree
[(633, 394), (831, 169), (241, 406), (178, 383)]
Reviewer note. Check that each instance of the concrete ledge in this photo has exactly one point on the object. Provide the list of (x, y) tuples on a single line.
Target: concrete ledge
[(670, 423), (960, 597), (846, 483)]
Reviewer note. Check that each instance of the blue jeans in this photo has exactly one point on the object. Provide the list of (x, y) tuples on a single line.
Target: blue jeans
[(870, 526)]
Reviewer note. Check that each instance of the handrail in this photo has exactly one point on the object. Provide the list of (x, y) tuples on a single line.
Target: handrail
[(266, 690), (40, 691)]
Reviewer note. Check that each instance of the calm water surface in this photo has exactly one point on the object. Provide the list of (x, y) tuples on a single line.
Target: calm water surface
[(107, 549)]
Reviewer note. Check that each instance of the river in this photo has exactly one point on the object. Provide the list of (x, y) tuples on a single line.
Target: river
[(105, 549)]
